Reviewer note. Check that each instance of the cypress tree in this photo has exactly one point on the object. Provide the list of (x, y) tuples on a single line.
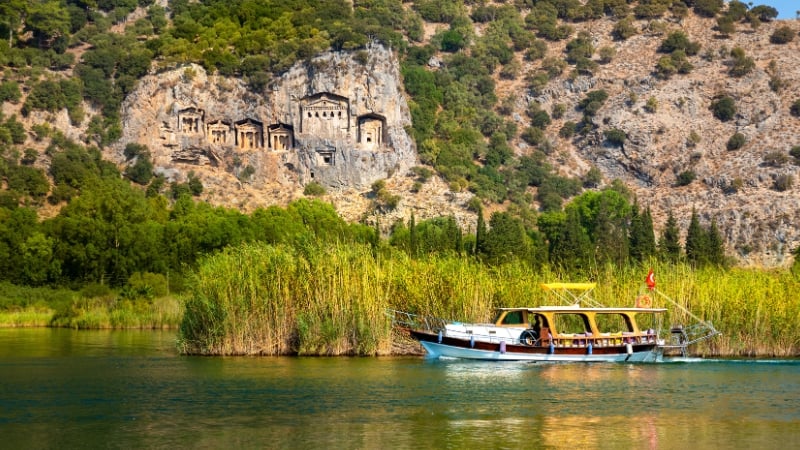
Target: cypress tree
[(670, 244), (571, 249), (715, 251), (505, 239), (696, 241), (642, 237), (412, 240), (610, 236), (480, 234)]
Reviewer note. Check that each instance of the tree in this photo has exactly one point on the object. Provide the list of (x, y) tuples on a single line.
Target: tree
[(708, 8), (47, 21), (141, 171), (696, 246), (570, 248), (480, 233), (669, 245), (764, 13), (506, 239), (610, 234), (715, 250), (642, 237)]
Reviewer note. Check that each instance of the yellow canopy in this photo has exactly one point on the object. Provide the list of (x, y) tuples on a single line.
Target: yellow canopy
[(568, 286)]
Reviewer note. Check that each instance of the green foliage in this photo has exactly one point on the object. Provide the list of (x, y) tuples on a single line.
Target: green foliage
[(736, 141), (704, 246), (764, 13), (624, 29), (708, 8), (725, 25), (593, 102), (742, 64), (651, 105), (676, 62), (678, 40), (782, 35), (685, 178), (669, 245), (384, 200), (723, 108), (141, 171), (314, 189), (9, 92), (615, 136)]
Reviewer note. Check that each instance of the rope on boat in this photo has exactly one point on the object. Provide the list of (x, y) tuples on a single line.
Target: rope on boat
[(700, 331)]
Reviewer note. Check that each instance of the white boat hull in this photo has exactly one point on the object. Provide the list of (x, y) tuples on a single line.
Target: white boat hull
[(436, 350)]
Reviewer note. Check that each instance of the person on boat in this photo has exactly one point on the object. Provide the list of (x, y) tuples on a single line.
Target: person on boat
[(537, 326)]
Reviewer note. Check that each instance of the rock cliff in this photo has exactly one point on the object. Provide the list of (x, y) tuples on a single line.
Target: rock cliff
[(338, 119)]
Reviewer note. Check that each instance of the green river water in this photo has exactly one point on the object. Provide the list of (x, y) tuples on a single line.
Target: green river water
[(130, 389)]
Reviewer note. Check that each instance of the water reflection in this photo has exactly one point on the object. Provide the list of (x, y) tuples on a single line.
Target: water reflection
[(130, 389)]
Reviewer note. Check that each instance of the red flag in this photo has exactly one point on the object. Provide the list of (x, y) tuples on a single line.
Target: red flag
[(650, 280)]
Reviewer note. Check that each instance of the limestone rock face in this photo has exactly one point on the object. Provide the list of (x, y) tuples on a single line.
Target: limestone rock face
[(338, 120)]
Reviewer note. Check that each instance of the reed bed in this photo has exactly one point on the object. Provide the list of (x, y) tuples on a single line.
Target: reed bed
[(258, 299), (26, 317), (85, 314)]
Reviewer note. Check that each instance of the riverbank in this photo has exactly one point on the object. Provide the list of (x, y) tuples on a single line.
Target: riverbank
[(266, 300), (332, 300), (159, 313)]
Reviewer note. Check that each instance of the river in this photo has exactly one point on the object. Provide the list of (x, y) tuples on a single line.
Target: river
[(130, 389)]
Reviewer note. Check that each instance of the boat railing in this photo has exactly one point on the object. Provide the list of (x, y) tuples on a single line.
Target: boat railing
[(602, 340), (682, 337)]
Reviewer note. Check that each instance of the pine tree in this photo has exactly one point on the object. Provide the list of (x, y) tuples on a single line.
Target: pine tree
[(670, 244)]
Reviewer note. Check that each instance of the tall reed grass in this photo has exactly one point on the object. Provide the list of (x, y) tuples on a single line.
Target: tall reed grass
[(258, 299)]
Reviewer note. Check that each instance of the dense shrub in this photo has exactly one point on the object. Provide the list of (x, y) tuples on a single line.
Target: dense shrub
[(615, 137), (736, 141), (782, 35), (678, 40), (724, 108), (685, 178)]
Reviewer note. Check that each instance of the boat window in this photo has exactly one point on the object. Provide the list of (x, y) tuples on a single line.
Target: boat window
[(647, 321), (613, 322), (572, 323), (513, 318)]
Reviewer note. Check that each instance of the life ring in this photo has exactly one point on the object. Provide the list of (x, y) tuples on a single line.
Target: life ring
[(644, 301), (528, 337)]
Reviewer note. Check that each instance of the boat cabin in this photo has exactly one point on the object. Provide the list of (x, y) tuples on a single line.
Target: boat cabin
[(571, 326)]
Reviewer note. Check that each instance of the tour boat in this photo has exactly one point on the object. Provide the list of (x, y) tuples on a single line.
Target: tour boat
[(571, 332)]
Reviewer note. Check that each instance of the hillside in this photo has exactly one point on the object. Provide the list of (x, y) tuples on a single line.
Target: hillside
[(484, 94)]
